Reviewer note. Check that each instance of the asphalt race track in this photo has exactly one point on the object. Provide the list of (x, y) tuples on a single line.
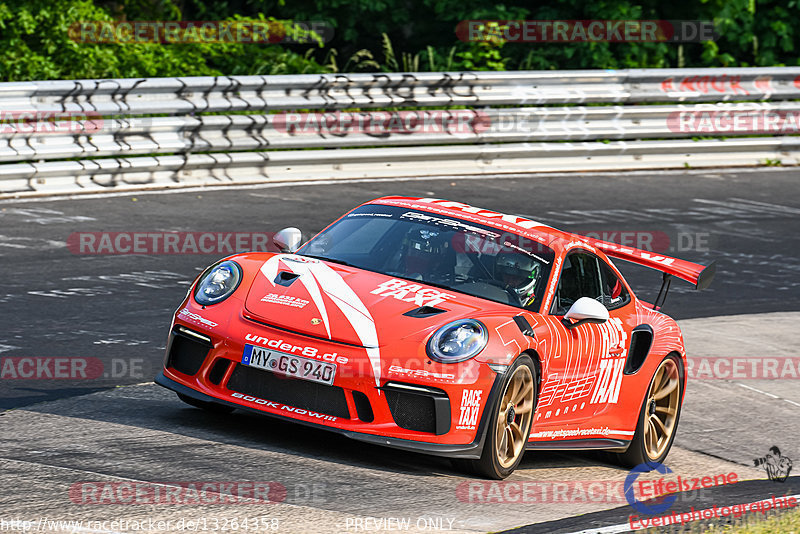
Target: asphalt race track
[(115, 310)]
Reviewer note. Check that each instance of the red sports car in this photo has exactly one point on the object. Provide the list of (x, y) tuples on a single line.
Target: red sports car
[(439, 327)]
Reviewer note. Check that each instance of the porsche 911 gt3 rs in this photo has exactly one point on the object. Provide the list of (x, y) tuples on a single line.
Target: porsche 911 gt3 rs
[(439, 327)]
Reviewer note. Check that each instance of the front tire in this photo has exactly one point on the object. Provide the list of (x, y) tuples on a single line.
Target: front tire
[(510, 424), (658, 416)]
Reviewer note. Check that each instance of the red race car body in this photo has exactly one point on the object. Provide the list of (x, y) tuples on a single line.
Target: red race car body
[(438, 327)]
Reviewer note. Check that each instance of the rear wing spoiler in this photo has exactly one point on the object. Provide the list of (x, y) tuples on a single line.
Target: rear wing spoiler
[(700, 276)]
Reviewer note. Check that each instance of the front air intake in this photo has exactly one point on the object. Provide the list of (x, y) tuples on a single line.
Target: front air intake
[(418, 408), (363, 407), (293, 392), (218, 371), (187, 351)]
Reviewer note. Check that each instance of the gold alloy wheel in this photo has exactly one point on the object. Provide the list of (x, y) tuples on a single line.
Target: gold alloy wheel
[(514, 417), (662, 408)]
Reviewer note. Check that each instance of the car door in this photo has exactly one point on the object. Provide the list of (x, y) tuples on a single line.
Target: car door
[(615, 339), (585, 364)]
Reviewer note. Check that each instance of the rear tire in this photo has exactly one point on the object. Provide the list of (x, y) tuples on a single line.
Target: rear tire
[(658, 417), (510, 423), (212, 407)]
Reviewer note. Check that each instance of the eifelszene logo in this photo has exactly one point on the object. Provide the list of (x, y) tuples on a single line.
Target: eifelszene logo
[(663, 493), (641, 507)]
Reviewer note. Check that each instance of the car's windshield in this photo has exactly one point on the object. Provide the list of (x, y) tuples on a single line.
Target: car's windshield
[(439, 250)]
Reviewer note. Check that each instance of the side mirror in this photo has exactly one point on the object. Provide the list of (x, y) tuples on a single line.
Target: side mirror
[(585, 310), (288, 239)]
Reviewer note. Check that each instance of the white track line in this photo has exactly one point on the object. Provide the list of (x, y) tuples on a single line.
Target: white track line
[(612, 529), (769, 394), (759, 391)]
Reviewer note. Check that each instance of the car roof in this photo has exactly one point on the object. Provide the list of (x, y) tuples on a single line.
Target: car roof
[(552, 237)]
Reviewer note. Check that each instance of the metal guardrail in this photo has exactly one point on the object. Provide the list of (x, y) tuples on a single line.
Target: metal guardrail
[(234, 129)]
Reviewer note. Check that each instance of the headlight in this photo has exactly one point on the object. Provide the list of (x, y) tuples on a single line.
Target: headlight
[(458, 341), (218, 283)]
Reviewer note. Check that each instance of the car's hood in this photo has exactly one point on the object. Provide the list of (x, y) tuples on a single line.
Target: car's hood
[(351, 305)]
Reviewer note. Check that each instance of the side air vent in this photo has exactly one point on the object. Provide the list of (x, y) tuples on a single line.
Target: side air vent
[(524, 326), (641, 341), (423, 312)]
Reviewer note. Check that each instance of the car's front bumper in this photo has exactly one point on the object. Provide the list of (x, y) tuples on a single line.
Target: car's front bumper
[(247, 388), (467, 451)]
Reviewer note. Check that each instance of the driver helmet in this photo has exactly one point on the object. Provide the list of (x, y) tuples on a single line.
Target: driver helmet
[(518, 272)]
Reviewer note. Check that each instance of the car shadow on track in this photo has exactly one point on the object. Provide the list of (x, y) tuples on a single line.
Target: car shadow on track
[(151, 407)]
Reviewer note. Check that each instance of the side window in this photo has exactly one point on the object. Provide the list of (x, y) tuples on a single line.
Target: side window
[(580, 277), (614, 293)]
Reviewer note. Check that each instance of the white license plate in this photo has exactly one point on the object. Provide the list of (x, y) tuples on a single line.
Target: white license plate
[(289, 364)]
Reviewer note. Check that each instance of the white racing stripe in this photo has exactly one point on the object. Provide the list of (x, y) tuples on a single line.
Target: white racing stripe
[(315, 276), (270, 270)]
